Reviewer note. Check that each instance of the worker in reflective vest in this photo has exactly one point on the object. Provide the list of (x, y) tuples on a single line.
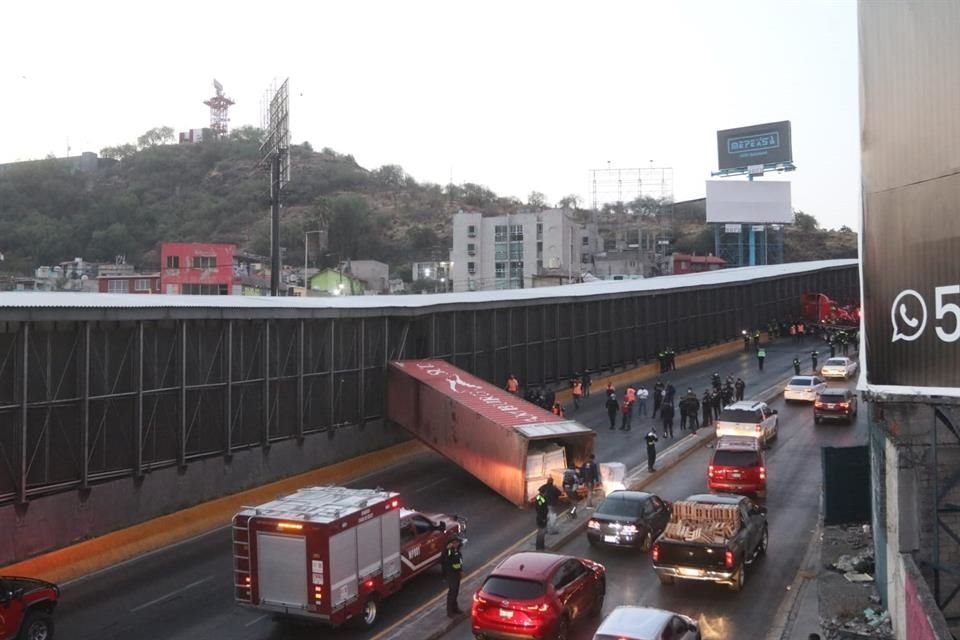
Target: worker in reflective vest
[(453, 565), (577, 393)]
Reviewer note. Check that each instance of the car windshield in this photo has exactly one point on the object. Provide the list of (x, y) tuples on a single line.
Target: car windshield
[(836, 362), (512, 588), (801, 382), (736, 459), (620, 507), (740, 415)]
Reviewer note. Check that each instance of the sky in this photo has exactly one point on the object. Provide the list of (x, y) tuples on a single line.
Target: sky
[(516, 96)]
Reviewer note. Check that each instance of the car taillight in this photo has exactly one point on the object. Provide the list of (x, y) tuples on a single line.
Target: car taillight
[(763, 473), (539, 608), (728, 559), (844, 405), (710, 471), (655, 552), (818, 404), (593, 524)]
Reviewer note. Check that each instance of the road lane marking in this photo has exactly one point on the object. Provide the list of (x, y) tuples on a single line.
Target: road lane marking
[(171, 594), (432, 484), (256, 620)]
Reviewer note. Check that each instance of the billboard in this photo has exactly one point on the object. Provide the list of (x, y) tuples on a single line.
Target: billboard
[(911, 197), (760, 144), (766, 202)]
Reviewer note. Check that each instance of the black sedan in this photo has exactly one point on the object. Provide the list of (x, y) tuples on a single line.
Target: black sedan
[(835, 404), (628, 519)]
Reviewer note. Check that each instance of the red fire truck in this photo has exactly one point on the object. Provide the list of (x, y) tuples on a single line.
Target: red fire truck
[(331, 554), (819, 308)]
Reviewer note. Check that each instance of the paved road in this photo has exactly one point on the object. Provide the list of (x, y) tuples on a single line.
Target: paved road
[(793, 504), (185, 592)]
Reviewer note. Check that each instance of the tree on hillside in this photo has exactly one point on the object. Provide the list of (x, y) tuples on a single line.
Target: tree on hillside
[(118, 152), (537, 201), (247, 133), (805, 222), (155, 136), (571, 201)]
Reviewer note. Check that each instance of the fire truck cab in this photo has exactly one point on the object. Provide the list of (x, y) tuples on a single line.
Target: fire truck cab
[(332, 554)]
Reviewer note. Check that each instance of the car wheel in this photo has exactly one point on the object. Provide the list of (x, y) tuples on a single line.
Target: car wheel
[(368, 614), (563, 629), (738, 582), (647, 541), (764, 541), (38, 625), (665, 580)]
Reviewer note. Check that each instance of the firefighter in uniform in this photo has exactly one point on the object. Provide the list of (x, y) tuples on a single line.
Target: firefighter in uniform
[(453, 570)]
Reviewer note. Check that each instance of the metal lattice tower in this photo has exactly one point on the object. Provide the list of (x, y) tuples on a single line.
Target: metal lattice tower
[(219, 108), (624, 185)]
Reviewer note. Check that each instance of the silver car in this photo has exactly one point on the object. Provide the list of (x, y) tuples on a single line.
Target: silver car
[(838, 368), (804, 388), (645, 623)]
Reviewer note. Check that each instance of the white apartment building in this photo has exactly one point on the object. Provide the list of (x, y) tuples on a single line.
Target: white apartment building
[(506, 252)]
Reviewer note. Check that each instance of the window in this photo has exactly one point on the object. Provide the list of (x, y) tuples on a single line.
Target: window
[(516, 268), (204, 289), (741, 415), (141, 284), (585, 258), (500, 233), (540, 250), (471, 268), (516, 232), (205, 262), (539, 265), (471, 249), (539, 231), (407, 533), (173, 262), (516, 251), (512, 588), (500, 269), (422, 525), (471, 231), (500, 252), (117, 286), (585, 241)]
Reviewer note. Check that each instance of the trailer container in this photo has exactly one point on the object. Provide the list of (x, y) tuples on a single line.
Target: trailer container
[(509, 444)]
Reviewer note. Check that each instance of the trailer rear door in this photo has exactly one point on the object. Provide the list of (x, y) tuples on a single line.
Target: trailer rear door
[(282, 569)]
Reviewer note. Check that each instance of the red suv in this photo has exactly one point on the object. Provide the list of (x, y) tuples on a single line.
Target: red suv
[(738, 466), (537, 595), (26, 608)]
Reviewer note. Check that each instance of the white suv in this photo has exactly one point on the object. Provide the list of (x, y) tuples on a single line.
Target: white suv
[(750, 419)]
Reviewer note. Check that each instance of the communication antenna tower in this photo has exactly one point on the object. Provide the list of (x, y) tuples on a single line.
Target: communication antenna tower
[(219, 107)]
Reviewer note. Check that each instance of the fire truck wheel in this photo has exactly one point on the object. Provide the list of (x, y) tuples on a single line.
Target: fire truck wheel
[(368, 614)]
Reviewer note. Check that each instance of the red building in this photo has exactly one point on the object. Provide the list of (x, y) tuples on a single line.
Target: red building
[(685, 263), (200, 268), (129, 283)]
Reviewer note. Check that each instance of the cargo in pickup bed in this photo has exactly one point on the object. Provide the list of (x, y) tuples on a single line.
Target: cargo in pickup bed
[(711, 537)]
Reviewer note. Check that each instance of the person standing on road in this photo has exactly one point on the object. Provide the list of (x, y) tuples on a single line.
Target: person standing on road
[(453, 570), (552, 494), (587, 381), (543, 515), (706, 406), (716, 400), (693, 408), (558, 410), (796, 366), (577, 391), (657, 397), (740, 386), (761, 356), (590, 474), (669, 393), (612, 408), (813, 359), (627, 411), (642, 395), (651, 439), (666, 412), (671, 359)]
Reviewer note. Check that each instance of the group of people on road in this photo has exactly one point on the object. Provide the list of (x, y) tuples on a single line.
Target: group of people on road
[(547, 502)]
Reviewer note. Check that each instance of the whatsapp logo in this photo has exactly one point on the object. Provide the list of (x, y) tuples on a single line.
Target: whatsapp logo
[(908, 316)]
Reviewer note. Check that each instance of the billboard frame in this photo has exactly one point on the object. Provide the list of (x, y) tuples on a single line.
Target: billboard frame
[(782, 161)]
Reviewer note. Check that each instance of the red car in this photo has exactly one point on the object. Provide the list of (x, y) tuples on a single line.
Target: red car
[(26, 608), (538, 596), (738, 466)]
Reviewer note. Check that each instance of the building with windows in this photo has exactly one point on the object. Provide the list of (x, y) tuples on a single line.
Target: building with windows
[(129, 283), (508, 251), (685, 263), (202, 268)]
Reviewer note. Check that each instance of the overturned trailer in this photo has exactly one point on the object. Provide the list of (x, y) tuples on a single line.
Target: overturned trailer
[(509, 444)]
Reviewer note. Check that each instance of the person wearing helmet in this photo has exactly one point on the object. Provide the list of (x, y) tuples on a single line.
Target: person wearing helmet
[(453, 570)]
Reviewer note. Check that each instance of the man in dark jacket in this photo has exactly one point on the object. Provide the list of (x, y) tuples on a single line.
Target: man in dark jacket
[(716, 400), (552, 494), (590, 475), (666, 413), (706, 405), (669, 393), (693, 408), (452, 571), (651, 439), (740, 386), (612, 408), (657, 397)]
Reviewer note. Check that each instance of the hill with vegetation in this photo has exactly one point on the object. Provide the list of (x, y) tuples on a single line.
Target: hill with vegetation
[(154, 192)]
